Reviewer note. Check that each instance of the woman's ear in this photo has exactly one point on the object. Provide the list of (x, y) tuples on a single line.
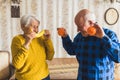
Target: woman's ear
[(23, 28)]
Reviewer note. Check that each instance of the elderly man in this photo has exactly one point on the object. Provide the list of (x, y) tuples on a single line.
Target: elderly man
[(96, 53)]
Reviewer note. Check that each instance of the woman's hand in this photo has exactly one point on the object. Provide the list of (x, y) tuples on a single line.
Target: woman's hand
[(47, 34), (28, 38)]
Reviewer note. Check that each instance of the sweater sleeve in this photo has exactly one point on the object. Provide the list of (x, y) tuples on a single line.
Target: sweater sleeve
[(112, 46), (19, 53), (68, 45), (49, 49)]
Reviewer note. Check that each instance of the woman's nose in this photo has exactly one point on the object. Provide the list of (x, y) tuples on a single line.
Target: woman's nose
[(35, 30)]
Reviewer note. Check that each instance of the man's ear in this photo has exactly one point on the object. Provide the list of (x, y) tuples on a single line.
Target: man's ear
[(91, 23)]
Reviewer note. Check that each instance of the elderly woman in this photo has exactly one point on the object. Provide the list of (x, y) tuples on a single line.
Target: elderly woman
[(29, 53), (96, 53)]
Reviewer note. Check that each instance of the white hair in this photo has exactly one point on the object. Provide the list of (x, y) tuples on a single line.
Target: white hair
[(90, 16), (26, 20)]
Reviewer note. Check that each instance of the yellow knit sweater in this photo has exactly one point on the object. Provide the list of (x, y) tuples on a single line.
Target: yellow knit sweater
[(31, 63)]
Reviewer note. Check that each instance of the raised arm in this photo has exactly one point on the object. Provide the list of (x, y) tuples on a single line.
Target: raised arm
[(112, 46)]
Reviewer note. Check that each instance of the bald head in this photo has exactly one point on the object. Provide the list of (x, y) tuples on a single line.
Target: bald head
[(84, 15)]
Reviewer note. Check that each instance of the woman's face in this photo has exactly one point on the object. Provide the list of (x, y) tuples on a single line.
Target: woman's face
[(34, 26), (31, 28)]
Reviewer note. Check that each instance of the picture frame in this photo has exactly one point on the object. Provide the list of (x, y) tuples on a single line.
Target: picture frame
[(111, 16)]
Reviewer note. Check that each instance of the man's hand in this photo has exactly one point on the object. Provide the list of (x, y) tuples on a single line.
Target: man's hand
[(62, 32), (99, 31)]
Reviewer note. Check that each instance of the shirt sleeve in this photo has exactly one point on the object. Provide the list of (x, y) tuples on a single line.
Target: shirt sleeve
[(49, 49), (19, 53), (112, 46), (68, 45)]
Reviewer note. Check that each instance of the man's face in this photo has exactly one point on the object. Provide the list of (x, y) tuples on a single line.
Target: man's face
[(83, 26)]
